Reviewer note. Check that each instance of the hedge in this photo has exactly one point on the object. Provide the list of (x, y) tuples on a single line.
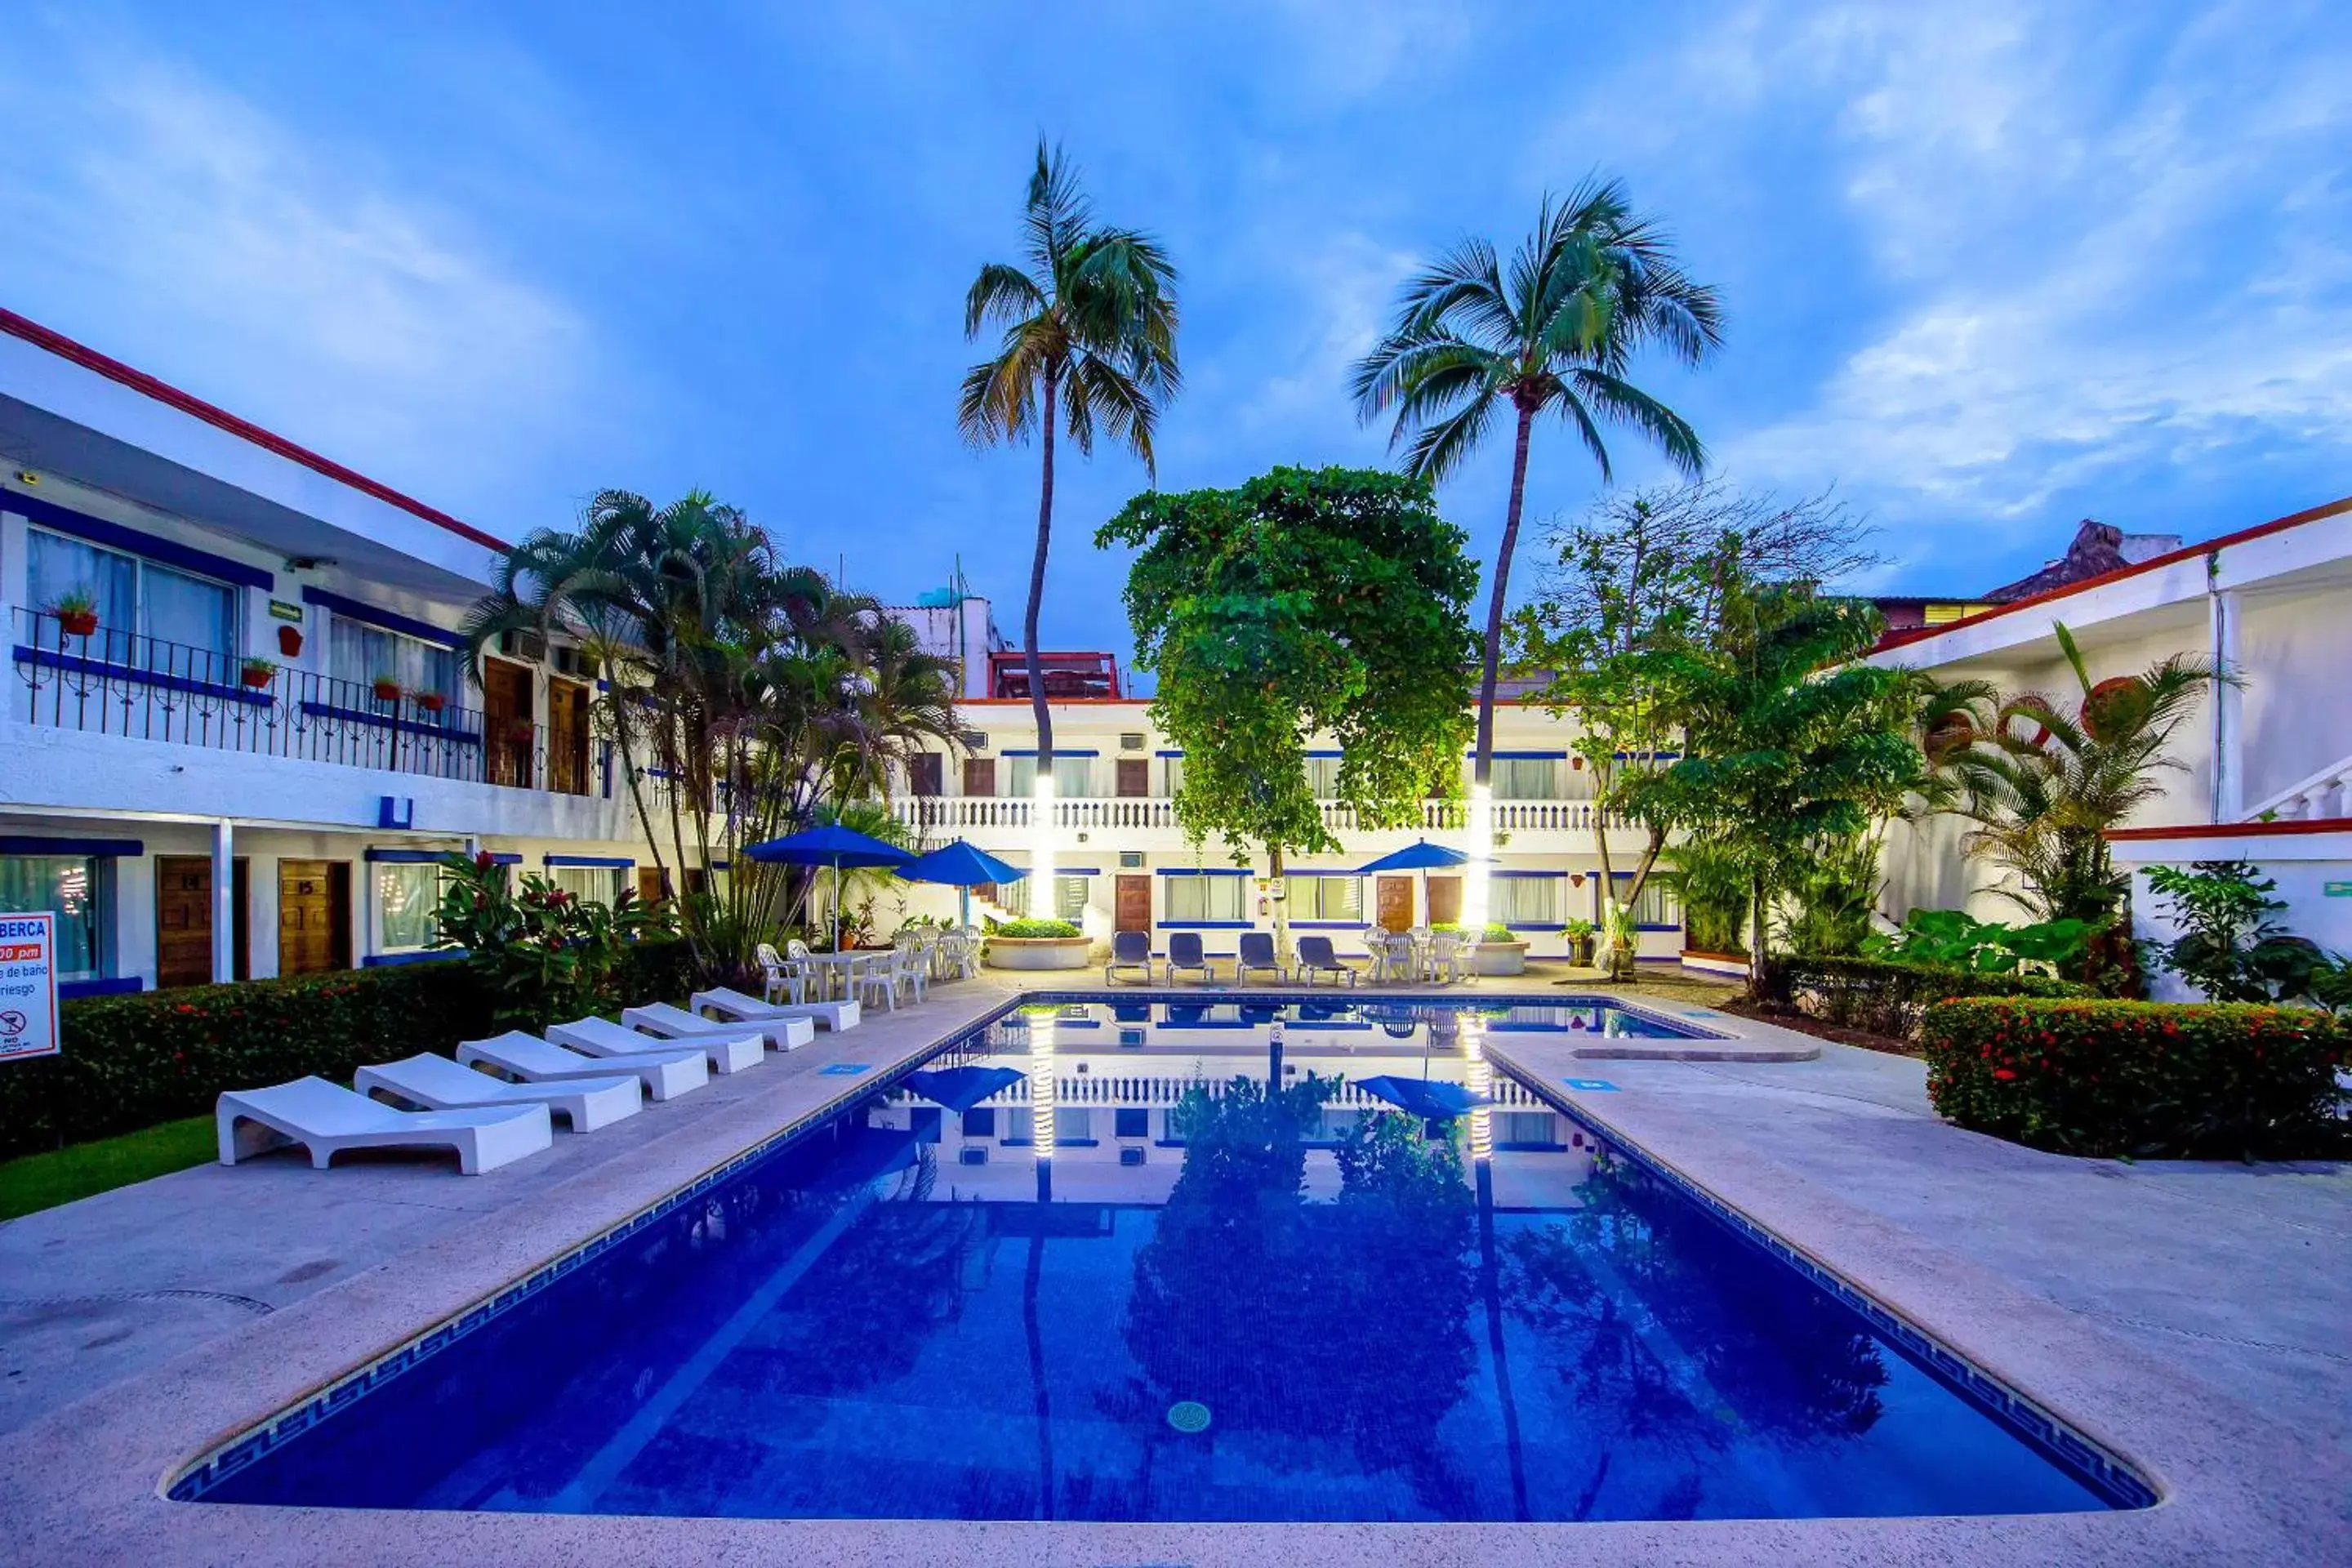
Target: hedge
[(131, 1061), (2154, 1080), (1889, 998)]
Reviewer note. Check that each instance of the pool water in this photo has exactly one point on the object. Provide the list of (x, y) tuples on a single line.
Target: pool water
[(1177, 1265)]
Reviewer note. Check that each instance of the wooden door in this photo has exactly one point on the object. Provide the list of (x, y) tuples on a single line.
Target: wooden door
[(1134, 777), (923, 773), (1392, 897), (1131, 903), (314, 916), (980, 775), (567, 737), (506, 729), (650, 891), (1445, 900), (183, 920)]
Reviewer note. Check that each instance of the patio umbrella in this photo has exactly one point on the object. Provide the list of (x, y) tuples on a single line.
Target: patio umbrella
[(961, 1089), (1418, 856), (1432, 1099), (962, 867), (831, 845)]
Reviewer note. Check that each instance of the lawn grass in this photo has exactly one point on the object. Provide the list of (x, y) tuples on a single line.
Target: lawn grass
[(36, 1181)]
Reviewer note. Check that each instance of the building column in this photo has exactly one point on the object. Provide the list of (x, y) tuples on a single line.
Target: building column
[(224, 902), (2224, 610)]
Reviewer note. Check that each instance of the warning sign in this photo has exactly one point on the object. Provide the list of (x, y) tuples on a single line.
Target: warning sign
[(28, 985)]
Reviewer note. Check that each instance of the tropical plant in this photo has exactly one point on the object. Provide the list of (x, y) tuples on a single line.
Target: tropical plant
[(1330, 603), (2229, 948), (1830, 897), (1711, 882), (1089, 337), (543, 954), (1955, 939), (1592, 287), (2043, 781)]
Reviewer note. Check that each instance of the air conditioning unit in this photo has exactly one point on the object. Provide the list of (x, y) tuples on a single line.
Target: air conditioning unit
[(1130, 859), (1130, 1039), (528, 646), (568, 661), (1131, 743), (975, 741), (1132, 1155), (973, 1154)]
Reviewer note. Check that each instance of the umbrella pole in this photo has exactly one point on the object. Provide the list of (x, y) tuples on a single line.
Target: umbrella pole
[(963, 905)]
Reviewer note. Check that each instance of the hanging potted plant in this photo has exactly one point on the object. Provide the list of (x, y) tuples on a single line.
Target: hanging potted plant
[(256, 673), (290, 641), (432, 702), (76, 613), (386, 689)]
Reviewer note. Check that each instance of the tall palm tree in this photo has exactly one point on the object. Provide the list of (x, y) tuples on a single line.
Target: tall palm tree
[(1089, 334), (1593, 285)]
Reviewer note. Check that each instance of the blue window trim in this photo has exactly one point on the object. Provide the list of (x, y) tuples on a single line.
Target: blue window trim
[(1522, 756), (385, 721), (35, 844), (1163, 757), (1535, 925), (1560, 875), (130, 541), (395, 960), (1676, 927), (1328, 925), (1206, 925), (1059, 753), (121, 986), (607, 862), (382, 619), (1326, 754), (107, 669), (1208, 871), (1078, 871), (429, 857)]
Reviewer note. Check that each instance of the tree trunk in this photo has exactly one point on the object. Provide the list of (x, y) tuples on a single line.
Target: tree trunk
[(1274, 891), (1482, 767), (1037, 595), (1757, 917)]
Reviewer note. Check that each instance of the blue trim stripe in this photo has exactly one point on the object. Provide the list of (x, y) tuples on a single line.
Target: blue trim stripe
[(1206, 925), (396, 960), (430, 857), (1165, 754), (1209, 871), (1524, 875), (1059, 753), (130, 673), (610, 862), (1522, 756), (35, 844), (385, 721), (385, 620), (124, 985), (114, 536)]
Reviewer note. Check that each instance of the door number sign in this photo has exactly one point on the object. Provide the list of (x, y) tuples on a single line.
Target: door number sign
[(28, 985)]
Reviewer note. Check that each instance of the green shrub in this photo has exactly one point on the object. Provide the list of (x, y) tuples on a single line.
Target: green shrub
[(1032, 928), (2156, 1079), (1496, 931), (1956, 939), (1887, 998), (134, 1061)]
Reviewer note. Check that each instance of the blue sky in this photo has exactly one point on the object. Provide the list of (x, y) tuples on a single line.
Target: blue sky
[(1988, 267)]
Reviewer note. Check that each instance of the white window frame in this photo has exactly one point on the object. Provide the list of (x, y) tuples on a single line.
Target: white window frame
[(378, 871), (1314, 901), (1527, 902), (140, 566), (1209, 886)]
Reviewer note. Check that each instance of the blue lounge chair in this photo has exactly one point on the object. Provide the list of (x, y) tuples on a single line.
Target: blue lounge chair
[(1185, 953), (1315, 957), (1129, 950), (1257, 952)]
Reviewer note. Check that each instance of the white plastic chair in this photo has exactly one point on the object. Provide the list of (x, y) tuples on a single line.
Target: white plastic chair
[(878, 977), (785, 981), (910, 966), (1445, 950)]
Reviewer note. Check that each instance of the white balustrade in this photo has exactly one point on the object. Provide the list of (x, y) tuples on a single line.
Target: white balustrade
[(2324, 795)]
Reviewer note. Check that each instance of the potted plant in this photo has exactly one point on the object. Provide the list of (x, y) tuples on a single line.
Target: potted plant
[(256, 673), (432, 702), (1496, 950), (290, 641), (386, 689), (1579, 935), (76, 613), (1037, 944)]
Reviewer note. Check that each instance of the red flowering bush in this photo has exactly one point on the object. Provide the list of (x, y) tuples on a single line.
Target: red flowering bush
[(2152, 1079)]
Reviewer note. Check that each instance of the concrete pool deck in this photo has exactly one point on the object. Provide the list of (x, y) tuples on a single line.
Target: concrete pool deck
[(2190, 1317)]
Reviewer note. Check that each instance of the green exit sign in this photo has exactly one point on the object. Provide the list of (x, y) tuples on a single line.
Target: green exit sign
[(2339, 889)]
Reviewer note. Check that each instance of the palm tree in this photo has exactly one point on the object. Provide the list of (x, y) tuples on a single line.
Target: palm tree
[(1089, 321), (1590, 287)]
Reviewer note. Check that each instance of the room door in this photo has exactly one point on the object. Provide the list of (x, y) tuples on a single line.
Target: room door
[(1134, 777), (979, 776), (183, 920), (1445, 900), (567, 737), (649, 885), (1131, 906), (508, 733), (314, 916), (1392, 897)]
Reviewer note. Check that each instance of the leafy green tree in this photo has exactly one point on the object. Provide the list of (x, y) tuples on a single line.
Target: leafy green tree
[(1089, 336), (1593, 286), (1789, 742), (1332, 601), (2229, 948)]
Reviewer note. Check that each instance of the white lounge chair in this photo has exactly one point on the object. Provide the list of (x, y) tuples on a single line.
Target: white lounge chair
[(739, 1007), (437, 1083), (326, 1118), (666, 1074), (729, 1052), (784, 1031)]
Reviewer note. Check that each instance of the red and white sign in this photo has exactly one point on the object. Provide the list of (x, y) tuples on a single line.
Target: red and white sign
[(28, 985)]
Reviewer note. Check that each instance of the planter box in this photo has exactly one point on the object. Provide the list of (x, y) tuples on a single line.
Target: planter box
[(1499, 958), (1715, 962), (1039, 952)]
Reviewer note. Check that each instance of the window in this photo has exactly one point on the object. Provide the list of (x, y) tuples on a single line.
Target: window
[(1072, 777), (1070, 897), (1132, 1121), (406, 893), (1526, 900), (1525, 1130), (77, 889), (1323, 777), (923, 773), (594, 884), (1314, 897), (1525, 778), (360, 654), (980, 1121), (1073, 1124), (1657, 908), (1190, 896), (138, 598), (1175, 775)]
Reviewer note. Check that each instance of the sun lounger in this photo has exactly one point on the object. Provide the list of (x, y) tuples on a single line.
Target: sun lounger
[(666, 1074), (1315, 957), (730, 1052), (327, 1119), (1129, 950), (743, 1007), (784, 1031), (1184, 953), (1257, 952), (437, 1083)]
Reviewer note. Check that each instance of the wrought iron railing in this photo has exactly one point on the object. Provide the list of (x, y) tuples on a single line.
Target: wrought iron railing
[(113, 682)]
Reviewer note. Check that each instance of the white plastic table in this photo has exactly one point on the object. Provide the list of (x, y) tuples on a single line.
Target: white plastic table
[(844, 966)]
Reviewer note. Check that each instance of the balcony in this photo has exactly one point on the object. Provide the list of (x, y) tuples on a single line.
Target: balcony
[(112, 682), (958, 815)]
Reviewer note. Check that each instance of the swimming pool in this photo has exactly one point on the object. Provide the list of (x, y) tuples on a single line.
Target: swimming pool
[(1163, 1259)]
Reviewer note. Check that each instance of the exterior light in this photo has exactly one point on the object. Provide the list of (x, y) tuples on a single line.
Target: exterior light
[(1476, 876)]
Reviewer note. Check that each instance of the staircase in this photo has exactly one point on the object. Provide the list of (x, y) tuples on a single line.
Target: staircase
[(2324, 795)]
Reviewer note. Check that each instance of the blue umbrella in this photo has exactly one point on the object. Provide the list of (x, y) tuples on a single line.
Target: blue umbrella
[(1431, 1100), (962, 867), (1418, 856), (831, 845), (961, 1089)]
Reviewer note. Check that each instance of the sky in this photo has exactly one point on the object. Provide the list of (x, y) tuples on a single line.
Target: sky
[(1988, 267)]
